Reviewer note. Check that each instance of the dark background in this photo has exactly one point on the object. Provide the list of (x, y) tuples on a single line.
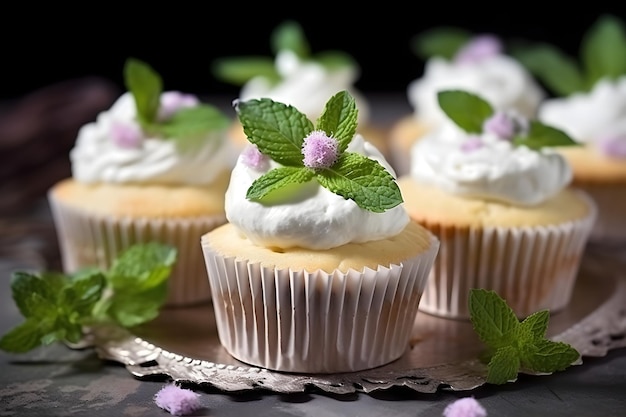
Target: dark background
[(42, 47)]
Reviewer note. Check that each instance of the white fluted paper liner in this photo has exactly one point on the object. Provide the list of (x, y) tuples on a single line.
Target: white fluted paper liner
[(316, 322), (532, 268), (87, 239)]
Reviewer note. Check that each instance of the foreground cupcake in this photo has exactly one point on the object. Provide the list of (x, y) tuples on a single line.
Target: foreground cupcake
[(153, 167), (319, 269), (498, 199), (297, 77), (477, 64), (589, 104)]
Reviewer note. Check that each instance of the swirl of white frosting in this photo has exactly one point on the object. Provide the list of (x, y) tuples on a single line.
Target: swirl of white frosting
[(306, 85), (499, 78), (308, 215), (491, 169), (96, 157), (591, 116)]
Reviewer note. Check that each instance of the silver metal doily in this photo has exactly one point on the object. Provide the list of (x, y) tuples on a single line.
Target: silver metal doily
[(182, 345)]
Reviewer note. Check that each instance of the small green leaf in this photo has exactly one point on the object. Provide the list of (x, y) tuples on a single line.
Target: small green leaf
[(277, 179), (603, 49), (141, 267), (335, 60), (29, 289), (83, 293), (194, 122), (23, 338), (277, 129), (131, 309), (146, 86), (492, 319), (289, 36), (555, 69), (440, 41), (537, 324), (362, 180), (550, 356), (467, 110), (240, 70), (339, 119), (504, 366), (541, 135)]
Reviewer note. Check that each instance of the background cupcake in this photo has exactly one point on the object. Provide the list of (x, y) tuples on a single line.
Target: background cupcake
[(319, 269), (499, 201), (298, 77), (153, 167), (589, 103), (456, 59)]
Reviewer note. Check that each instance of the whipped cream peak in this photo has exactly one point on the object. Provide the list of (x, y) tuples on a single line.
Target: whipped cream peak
[(319, 187), (597, 117)]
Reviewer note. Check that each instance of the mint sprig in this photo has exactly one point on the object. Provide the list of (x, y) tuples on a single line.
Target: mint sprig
[(515, 345), (57, 307), (278, 130), (470, 111), (287, 36), (602, 54), (146, 86)]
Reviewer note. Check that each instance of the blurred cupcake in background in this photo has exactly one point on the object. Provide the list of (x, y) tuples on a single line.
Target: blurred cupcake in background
[(589, 103), (456, 59), (493, 191), (152, 167), (296, 76)]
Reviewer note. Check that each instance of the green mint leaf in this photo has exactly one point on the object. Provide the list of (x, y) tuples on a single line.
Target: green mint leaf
[(24, 286), (439, 41), (540, 135), (146, 86), (289, 36), (556, 70), (194, 122), (603, 49), (549, 356), (141, 267), (277, 129), (276, 179), (24, 337), (536, 324), (131, 309), (493, 320), (334, 60), (467, 110), (339, 119), (504, 366), (362, 180), (240, 70)]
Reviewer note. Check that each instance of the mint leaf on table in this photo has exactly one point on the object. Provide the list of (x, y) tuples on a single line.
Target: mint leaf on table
[(515, 346), (469, 111), (57, 307), (602, 55), (280, 131), (146, 86)]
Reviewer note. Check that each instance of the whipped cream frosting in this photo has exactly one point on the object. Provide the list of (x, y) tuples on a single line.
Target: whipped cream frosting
[(488, 167), (499, 78), (595, 117), (114, 149), (307, 215), (306, 85)]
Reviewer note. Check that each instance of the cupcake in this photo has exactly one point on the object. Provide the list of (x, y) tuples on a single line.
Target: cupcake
[(476, 64), (319, 269), (152, 167), (498, 197), (589, 103), (297, 77)]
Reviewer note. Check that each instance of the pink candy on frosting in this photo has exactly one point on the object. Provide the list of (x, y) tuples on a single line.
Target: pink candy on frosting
[(479, 48), (126, 135), (501, 125), (613, 145), (172, 101), (320, 150), (471, 144), (253, 158)]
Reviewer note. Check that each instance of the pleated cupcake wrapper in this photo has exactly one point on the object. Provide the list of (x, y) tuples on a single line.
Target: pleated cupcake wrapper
[(610, 226), (87, 239), (532, 268), (316, 322)]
